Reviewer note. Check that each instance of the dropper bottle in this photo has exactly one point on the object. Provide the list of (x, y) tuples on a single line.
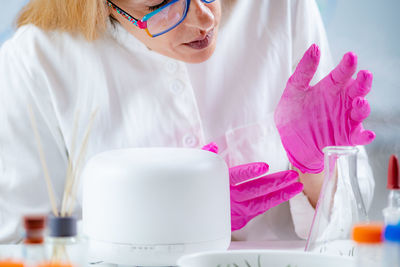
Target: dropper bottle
[(392, 212)]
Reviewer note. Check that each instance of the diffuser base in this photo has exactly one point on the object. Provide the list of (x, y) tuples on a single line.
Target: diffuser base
[(148, 254)]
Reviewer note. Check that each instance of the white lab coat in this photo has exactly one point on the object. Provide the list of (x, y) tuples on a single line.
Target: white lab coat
[(146, 99)]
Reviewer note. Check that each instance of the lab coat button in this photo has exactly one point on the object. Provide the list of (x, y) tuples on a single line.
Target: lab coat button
[(177, 87), (171, 67), (190, 140)]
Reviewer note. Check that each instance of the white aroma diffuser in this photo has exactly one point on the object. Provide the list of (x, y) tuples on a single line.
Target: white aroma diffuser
[(150, 206)]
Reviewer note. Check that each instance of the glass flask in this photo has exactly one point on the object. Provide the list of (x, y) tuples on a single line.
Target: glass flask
[(340, 203)]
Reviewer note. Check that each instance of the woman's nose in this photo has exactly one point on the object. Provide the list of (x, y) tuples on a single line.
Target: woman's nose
[(200, 16)]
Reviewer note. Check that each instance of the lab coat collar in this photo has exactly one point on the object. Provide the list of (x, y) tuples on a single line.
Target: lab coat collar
[(122, 36)]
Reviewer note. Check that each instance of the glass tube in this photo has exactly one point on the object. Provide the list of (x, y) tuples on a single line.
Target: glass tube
[(339, 205)]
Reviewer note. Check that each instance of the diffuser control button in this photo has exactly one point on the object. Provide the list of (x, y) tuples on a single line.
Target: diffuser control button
[(142, 248)]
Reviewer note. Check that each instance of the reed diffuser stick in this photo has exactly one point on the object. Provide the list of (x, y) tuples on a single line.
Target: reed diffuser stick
[(81, 156), (59, 251), (43, 162), (68, 180)]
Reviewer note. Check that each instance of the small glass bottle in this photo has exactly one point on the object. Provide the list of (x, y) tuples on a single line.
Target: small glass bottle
[(369, 248), (392, 212), (64, 247), (33, 249), (392, 246)]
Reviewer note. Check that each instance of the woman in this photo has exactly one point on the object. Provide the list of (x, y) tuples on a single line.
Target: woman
[(80, 55)]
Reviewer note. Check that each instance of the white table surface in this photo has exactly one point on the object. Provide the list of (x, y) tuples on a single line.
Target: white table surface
[(285, 245), (235, 245)]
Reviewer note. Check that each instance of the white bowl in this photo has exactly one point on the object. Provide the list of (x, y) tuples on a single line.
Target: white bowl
[(264, 258)]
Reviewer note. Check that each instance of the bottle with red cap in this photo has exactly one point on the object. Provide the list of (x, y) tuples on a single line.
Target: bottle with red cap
[(369, 248), (33, 249), (392, 212)]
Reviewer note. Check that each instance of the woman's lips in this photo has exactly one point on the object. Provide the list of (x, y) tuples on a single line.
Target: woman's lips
[(202, 43)]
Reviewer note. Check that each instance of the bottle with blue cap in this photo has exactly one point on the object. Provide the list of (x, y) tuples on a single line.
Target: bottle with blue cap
[(392, 246), (64, 246)]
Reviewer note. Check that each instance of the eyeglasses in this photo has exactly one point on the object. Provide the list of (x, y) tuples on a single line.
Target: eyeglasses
[(161, 20)]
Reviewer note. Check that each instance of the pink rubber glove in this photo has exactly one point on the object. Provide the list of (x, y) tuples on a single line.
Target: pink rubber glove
[(329, 113), (251, 197)]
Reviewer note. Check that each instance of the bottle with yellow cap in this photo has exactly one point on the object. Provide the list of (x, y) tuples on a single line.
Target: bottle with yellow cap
[(369, 240)]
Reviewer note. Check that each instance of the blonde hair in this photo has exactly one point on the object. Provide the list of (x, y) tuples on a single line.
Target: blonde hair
[(87, 17)]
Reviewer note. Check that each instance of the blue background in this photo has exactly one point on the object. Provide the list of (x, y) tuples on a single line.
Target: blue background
[(369, 28)]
